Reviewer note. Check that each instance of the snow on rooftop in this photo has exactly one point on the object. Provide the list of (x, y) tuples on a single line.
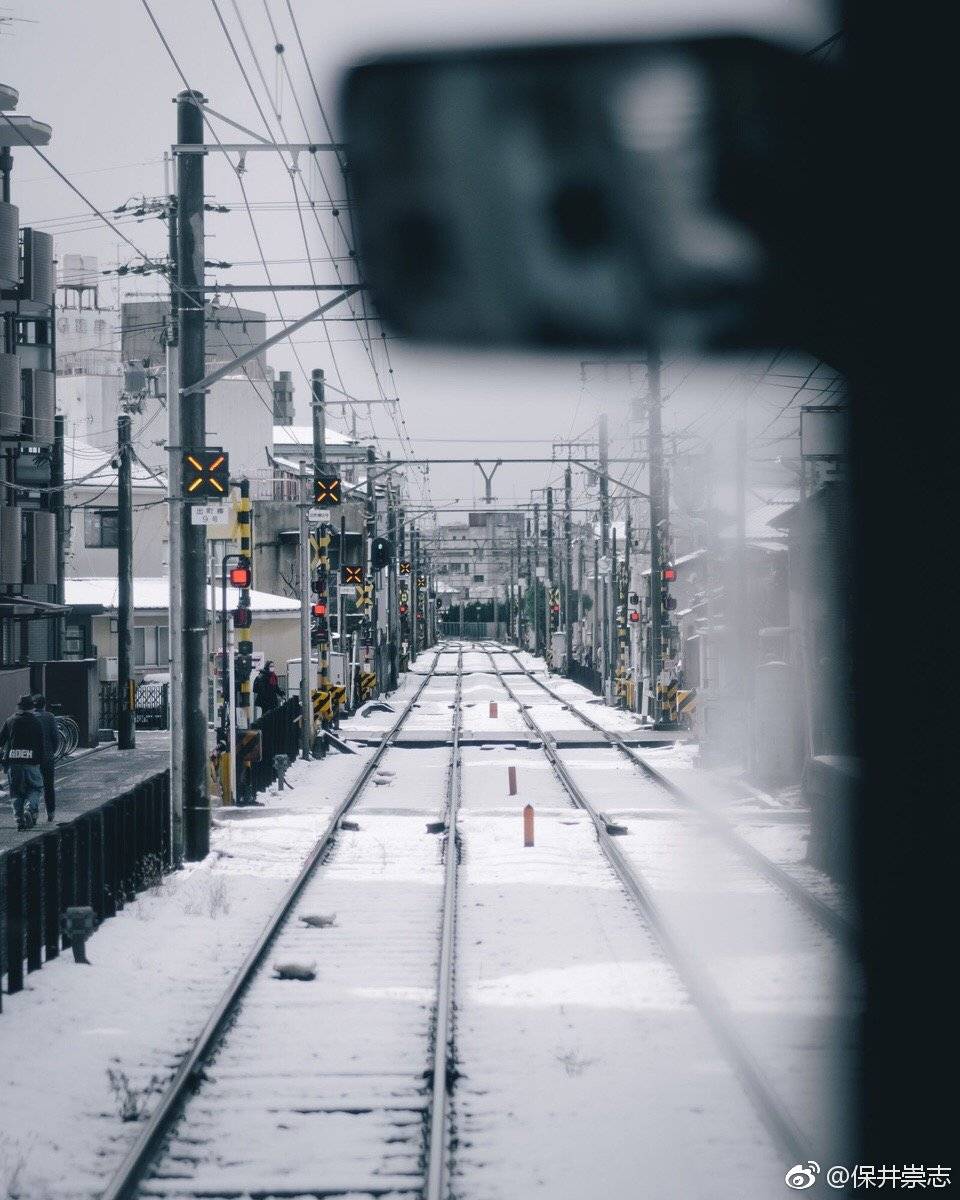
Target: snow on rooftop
[(302, 435), (153, 593)]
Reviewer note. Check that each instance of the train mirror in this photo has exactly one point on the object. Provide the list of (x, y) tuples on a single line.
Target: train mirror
[(614, 195)]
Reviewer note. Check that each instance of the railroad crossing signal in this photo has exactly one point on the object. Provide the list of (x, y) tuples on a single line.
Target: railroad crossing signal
[(404, 567), (351, 575), (669, 574), (421, 581), (326, 489), (205, 473)]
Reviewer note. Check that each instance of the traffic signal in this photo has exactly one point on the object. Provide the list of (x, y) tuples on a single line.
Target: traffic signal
[(242, 667), (421, 581), (351, 575), (319, 609), (404, 567), (205, 473), (669, 574), (326, 489), (241, 576), (403, 610), (634, 615), (380, 553), (242, 618)]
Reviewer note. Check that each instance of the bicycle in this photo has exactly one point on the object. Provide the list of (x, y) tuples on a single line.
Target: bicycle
[(68, 736)]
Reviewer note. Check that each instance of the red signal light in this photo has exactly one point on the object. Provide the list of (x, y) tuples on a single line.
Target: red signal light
[(669, 574), (241, 577), (319, 610), (634, 615), (403, 610)]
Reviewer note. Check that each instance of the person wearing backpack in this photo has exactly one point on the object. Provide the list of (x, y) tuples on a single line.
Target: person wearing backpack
[(22, 747)]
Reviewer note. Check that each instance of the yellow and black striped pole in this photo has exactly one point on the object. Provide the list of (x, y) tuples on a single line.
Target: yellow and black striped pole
[(245, 533)]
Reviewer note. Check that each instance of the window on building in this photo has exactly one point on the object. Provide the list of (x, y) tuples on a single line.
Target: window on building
[(100, 528), (151, 646), (478, 578)]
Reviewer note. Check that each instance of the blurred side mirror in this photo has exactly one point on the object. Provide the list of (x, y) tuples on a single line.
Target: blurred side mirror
[(611, 196)]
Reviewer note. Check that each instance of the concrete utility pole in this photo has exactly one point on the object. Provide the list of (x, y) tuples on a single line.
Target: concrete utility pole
[(306, 705), (596, 604), (537, 643), (393, 640), (369, 574), (625, 595), (604, 537), (742, 621), (126, 685), (568, 565), (614, 645), (657, 526), (190, 569), (60, 518), (174, 515), (548, 590), (319, 421)]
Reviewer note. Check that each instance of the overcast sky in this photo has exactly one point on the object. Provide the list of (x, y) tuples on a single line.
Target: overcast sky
[(98, 73)]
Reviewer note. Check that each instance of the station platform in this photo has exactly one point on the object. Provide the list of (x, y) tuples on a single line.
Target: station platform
[(86, 781)]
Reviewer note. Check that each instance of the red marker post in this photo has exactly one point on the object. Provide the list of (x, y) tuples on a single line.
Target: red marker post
[(528, 825), (512, 780), (493, 708)]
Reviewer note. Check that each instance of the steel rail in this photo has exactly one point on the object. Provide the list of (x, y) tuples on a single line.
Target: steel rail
[(128, 1176), (826, 917), (442, 1069), (770, 1108)]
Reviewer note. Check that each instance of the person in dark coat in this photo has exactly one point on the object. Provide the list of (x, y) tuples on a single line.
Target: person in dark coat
[(51, 741), (266, 688), (21, 744)]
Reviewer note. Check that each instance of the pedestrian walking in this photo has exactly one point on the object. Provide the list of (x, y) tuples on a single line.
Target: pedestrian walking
[(266, 688), (21, 745), (51, 741)]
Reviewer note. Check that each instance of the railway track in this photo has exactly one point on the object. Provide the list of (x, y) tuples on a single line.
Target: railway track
[(827, 918), (257, 1086), (793, 1141)]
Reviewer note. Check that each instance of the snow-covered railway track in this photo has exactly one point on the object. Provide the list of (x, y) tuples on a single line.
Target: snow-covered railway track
[(760, 1077), (827, 917), (335, 1085)]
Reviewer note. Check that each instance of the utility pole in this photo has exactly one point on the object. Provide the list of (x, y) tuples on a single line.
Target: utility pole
[(369, 573), (568, 564), (191, 567), (657, 526), (61, 526), (614, 590), (744, 663), (597, 659), (319, 422), (604, 539), (126, 737), (175, 518), (537, 644), (625, 595), (306, 704), (548, 589)]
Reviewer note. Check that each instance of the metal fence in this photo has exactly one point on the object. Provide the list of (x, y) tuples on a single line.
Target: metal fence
[(279, 734), (102, 858), (152, 701)]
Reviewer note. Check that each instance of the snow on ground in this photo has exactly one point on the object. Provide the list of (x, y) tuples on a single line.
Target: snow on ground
[(794, 993), (319, 1085), (584, 1069), (157, 969)]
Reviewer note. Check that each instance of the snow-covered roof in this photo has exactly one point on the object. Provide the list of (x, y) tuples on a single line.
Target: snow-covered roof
[(302, 435), (152, 593), (92, 465)]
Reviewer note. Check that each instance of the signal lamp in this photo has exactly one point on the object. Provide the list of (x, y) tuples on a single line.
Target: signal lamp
[(669, 574), (241, 576), (319, 609), (634, 615), (242, 618)]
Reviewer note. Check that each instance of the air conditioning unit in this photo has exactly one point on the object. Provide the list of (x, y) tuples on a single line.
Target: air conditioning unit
[(11, 547), (107, 670), (38, 399), (11, 403), (39, 546)]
